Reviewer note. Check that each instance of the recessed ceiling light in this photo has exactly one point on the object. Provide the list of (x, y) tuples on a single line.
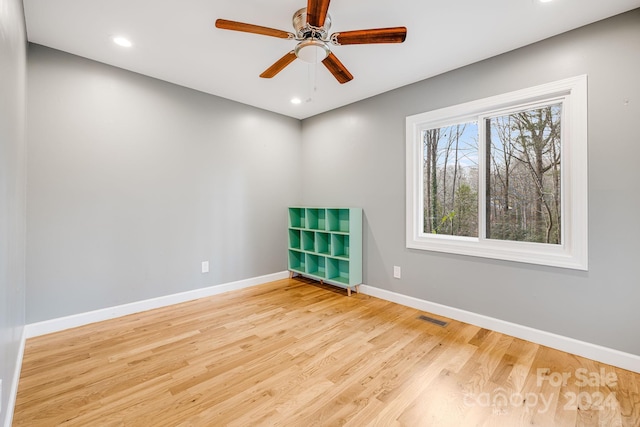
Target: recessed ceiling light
[(121, 41), (296, 101), (545, 1)]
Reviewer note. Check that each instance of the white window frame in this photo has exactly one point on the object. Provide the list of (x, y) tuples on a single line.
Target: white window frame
[(572, 252)]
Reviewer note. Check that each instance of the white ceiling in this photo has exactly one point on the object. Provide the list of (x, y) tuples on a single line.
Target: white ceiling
[(176, 41)]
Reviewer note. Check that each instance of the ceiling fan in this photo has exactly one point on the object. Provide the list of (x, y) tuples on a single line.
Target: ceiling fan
[(311, 26)]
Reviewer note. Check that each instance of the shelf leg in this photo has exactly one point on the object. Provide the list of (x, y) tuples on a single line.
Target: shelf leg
[(357, 289), (290, 274), (322, 282), (348, 292)]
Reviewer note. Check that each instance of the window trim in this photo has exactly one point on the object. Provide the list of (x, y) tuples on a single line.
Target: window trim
[(572, 253)]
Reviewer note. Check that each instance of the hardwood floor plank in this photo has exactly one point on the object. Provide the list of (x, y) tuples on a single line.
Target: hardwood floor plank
[(298, 353)]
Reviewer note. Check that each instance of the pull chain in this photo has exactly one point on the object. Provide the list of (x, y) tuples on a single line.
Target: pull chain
[(311, 82)]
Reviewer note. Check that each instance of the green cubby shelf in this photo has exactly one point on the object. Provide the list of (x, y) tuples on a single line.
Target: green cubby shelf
[(308, 240), (316, 266), (338, 270), (323, 243), (316, 219), (340, 245), (338, 220), (297, 217), (294, 239), (326, 244), (297, 261)]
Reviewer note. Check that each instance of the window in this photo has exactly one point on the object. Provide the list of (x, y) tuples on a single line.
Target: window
[(503, 177)]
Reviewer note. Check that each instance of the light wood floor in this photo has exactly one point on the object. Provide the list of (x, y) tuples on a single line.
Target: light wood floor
[(295, 353)]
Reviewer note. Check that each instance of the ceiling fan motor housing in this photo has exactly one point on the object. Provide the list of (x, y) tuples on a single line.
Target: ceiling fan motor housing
[(306, 31)]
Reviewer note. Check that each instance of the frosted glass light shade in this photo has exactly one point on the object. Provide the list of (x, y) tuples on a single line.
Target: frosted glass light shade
[(312, 51)]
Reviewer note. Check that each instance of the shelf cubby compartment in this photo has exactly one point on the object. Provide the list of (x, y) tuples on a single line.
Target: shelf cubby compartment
[(294, 239), (308, 241), (338, 271), (316, 219), (297, 217), (316, 266), (338, 220), (340, 245), (297, 261), (323, 243)]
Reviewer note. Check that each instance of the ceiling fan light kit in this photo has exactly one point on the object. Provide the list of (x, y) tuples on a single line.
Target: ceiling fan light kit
[(311, 25), (312, 51)]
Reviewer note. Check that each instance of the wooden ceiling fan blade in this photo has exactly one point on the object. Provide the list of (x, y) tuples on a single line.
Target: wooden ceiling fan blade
[(376, 35), (317, 12), (336, 68), (225, 24), (279, 65)]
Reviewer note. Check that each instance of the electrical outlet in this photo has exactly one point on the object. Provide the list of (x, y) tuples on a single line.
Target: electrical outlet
[(205, 266), (396, 272)]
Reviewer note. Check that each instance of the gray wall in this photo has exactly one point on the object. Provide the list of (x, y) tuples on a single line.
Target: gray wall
[(133, 182), (13, 47), (355, 156)]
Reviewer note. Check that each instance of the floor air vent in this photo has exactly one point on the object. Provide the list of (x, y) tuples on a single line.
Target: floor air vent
[(434, 321)]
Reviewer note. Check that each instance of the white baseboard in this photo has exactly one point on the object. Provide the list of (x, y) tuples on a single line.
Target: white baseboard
[(13, 391), (81, 319), (599, 353)]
